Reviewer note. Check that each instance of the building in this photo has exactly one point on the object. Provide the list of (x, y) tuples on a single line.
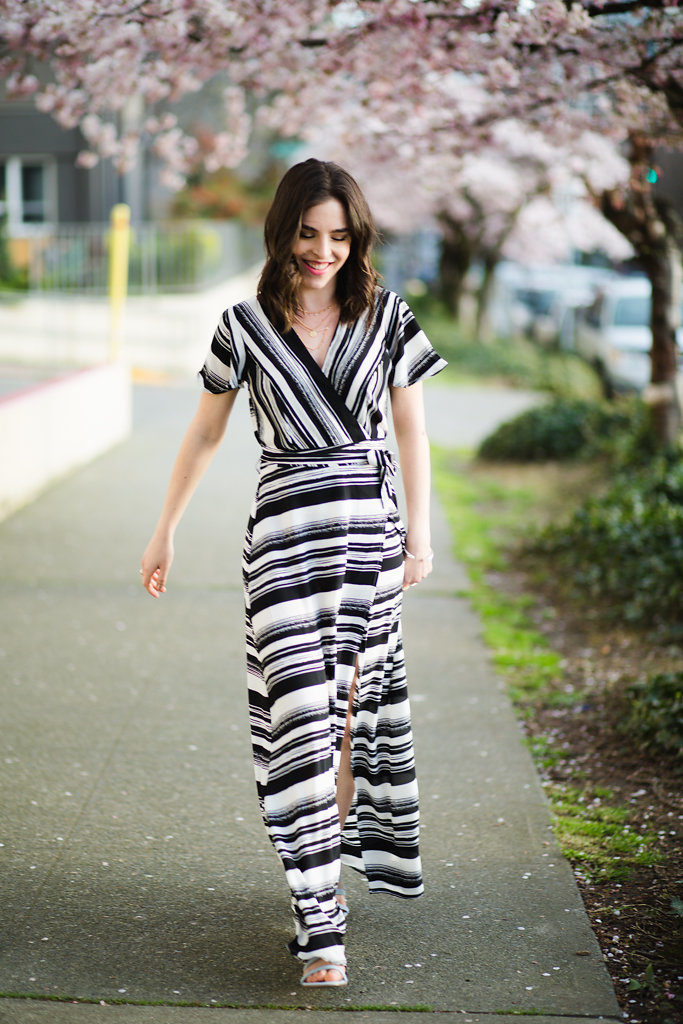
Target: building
[(41, 186)]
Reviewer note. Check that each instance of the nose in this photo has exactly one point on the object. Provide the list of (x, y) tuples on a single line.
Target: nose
[(323, 247)]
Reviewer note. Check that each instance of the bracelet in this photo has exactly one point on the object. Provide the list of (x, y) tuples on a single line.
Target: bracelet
[(424, 558)]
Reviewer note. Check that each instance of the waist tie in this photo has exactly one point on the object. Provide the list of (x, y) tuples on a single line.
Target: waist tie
[(374, 453)]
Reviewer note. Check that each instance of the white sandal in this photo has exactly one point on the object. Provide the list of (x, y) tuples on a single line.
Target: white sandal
[(341, 892), (324, 966)]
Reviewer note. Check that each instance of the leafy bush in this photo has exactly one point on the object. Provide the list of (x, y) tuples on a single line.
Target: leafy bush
[(11, 278), (626, 547), (620, 431), (558, 430), (634, 446), (655, 715), (176, 258), (566, 375)]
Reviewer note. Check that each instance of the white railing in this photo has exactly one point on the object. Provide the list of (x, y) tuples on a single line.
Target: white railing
[(173, 256)]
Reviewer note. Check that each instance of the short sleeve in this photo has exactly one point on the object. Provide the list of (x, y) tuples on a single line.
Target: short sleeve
[(224, 366), (411, 352)]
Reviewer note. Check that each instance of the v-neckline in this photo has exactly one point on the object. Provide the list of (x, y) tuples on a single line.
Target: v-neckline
[(322, 367), (291, 340), (323, 382)]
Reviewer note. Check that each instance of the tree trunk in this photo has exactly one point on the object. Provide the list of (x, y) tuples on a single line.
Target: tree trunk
[(489, 263), (654, 230), (491, 255), (454, 263), (664, 274)]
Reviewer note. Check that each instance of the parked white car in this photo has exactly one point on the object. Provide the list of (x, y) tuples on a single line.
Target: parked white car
[(614, 333)]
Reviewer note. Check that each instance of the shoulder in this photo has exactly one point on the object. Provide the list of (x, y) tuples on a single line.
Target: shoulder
[(393, 311), (392, 303), (386, 297), (240, 309), (240, 318)]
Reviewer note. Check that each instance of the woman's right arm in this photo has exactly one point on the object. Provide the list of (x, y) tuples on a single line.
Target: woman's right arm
[(199, 445)]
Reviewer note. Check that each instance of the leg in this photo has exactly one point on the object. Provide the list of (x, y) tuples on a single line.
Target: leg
[(345, 784)]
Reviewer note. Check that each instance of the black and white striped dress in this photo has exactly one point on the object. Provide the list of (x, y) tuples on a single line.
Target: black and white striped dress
[(323, 570)]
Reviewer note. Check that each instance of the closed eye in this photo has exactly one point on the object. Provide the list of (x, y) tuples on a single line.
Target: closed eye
[(337, 236)]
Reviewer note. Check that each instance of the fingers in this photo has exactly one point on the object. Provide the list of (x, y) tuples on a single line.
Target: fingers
[(155, 564), (153, 582), (415, 570)]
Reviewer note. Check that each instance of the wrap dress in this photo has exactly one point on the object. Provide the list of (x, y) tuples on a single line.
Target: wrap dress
[(323, 572)]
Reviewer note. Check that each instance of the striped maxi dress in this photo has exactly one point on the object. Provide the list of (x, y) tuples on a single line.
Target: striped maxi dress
[(323, 572)]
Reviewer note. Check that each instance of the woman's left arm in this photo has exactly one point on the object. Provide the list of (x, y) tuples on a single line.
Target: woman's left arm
[(407, 409)]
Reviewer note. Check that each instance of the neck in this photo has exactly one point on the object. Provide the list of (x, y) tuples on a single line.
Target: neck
[(313, 299)]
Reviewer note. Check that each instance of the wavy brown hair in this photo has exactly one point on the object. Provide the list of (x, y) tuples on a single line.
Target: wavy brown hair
[(305, 185)]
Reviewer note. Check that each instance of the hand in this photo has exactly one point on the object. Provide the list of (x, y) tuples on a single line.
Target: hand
[(416, 567), (156, 564)]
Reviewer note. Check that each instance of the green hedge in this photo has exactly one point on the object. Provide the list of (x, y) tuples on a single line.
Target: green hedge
[(562, 429), (625, 549)]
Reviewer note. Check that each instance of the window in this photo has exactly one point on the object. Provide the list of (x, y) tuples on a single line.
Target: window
[(632, 311), (27, 190), (33, 193)]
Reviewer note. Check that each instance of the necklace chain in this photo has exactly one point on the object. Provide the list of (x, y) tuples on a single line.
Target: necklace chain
[(319, 328), (314, 312), (313, 348), (313, 332)]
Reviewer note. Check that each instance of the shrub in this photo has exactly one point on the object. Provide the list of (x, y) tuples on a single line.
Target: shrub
[(179, 257), (634, 446), (626, 547), (11, 278), (655, 715), (561, 429), (566, 375)]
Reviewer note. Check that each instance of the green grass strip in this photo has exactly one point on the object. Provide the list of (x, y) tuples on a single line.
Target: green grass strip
[(484, 517), (521, 654)]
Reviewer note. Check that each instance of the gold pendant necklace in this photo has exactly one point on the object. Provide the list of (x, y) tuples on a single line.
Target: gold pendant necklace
[(313, 331)]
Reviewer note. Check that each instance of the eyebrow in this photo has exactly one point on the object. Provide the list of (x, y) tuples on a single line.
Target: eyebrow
[(335, 231)]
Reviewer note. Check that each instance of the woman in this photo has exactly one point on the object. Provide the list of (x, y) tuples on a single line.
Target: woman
[(326, 557)]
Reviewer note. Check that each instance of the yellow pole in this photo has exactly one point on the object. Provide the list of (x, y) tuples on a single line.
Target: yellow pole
[(119, 247)]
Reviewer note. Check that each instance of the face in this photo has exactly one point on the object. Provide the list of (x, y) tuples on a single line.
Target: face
[(323, 245)]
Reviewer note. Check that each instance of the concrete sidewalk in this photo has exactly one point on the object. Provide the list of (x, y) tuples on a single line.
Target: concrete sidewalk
[(135, 866)]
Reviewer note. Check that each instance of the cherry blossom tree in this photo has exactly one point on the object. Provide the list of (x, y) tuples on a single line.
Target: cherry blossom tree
[(406, 68), (517, 197), (413, 76)]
